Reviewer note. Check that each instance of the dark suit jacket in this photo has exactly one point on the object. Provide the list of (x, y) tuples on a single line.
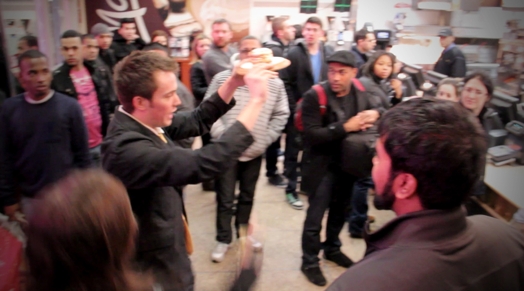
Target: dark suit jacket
[(153, 173), (323, 134)]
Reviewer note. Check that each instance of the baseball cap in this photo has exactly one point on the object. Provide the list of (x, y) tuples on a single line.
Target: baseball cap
[(343, 57), (445, 32), (99, 29)]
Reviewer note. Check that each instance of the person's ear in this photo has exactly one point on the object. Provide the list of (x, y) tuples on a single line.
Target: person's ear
[(354, 72), (405, 186), (140, 103)]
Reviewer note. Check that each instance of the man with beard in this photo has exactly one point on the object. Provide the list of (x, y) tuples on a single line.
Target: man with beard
[(349, 109), (218, 57), (429, 157)]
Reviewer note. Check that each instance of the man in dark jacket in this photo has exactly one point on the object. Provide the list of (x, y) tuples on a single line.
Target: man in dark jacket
[(364, 43), (281, 40), (142, 154), (42, 137), (452, 61), (429, 158), (91, 51), (126, 39), (104, 38), (81, 80), (308, 67), (348, 110)]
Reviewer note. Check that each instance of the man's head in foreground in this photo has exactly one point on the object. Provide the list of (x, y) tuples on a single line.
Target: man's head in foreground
[(146, 86), (429, 156)]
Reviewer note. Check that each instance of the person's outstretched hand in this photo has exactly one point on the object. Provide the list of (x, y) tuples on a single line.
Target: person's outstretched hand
[(256, 81)]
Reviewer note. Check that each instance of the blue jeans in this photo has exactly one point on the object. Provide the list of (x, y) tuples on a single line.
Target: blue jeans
[(359, 205)]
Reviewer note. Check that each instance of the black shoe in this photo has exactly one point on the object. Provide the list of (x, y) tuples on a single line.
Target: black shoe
[(356, 235), (339, 258), (280, 152), (314, 275), (277, 180)]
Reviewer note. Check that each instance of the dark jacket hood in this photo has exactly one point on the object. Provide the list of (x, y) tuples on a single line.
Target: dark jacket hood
[(273, 42)]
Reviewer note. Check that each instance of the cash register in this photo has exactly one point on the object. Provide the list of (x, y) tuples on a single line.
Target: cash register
[(513, 148)]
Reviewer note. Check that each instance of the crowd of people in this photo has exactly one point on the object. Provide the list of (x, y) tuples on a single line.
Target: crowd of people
[(95, 154)]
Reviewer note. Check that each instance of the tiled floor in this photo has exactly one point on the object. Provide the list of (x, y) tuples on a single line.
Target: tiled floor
[(280, 229)]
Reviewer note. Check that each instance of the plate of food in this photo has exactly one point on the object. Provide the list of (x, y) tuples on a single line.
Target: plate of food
[(262, 56)]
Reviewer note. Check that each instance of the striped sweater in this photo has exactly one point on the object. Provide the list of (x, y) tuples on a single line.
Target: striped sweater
[(270, 122)]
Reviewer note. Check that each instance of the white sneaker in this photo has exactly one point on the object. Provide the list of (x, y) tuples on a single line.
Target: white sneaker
[(257, 246), (219, 252), (294, 201)]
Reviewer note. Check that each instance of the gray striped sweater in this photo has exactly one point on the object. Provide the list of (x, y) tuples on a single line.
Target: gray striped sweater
[(270, 122)]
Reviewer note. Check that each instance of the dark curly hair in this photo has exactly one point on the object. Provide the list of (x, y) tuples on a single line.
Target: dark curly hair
[(440, 143)]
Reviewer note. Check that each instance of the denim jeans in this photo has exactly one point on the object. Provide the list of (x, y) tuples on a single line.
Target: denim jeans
[(247, 174), (359, 205), (333, 194)]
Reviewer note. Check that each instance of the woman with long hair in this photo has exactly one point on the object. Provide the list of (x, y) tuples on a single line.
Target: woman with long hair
[(378, 78), (81, 237), (159, 36), (477, 92), (199, 84)]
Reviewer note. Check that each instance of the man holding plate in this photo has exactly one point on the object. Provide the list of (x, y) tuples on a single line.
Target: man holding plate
[(246, 169)]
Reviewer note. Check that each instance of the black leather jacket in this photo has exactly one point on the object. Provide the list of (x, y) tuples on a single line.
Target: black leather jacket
[(63, 83)]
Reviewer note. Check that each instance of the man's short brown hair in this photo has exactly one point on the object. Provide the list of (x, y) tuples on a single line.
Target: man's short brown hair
[(278, 23), (134, 76), (314, 20)]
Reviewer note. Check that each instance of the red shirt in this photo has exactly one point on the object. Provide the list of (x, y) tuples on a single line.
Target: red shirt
[(89, 102)]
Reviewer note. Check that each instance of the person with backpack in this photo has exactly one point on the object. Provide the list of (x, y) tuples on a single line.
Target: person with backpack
[(327, 114), (282, 39)]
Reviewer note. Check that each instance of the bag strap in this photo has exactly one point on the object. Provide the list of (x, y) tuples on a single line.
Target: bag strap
[(322, 98), (358, 84)]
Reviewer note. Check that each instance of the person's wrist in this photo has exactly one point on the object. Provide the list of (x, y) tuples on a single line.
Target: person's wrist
[(259, 100), (234, 81)]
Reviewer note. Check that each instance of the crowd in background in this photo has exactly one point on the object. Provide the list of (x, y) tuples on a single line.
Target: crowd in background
[(117, 104)]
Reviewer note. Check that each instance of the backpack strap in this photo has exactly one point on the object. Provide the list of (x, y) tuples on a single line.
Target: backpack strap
[(322, 98), (358, 84)]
